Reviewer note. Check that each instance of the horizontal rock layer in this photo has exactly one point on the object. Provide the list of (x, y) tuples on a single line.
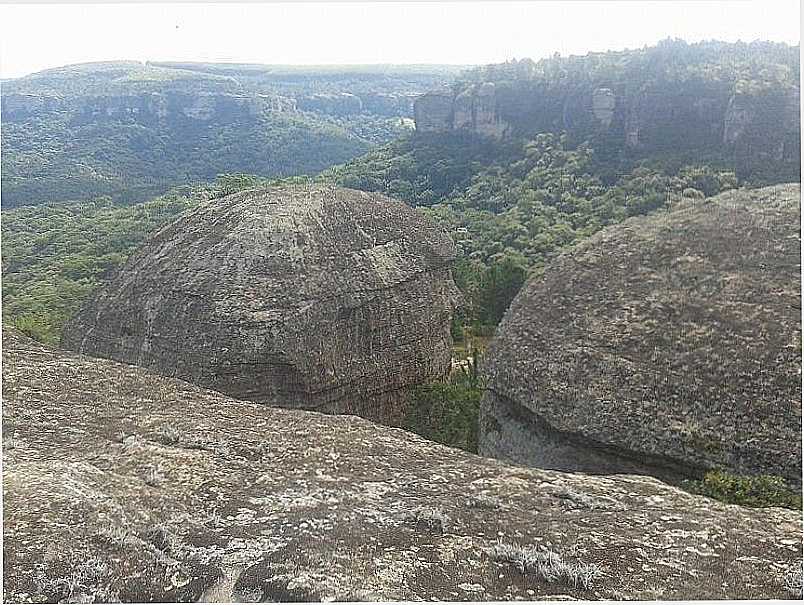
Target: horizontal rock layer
[(122, 484)]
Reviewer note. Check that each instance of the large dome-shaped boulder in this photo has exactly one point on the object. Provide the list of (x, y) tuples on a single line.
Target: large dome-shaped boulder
[(301, 296), (669, 344)]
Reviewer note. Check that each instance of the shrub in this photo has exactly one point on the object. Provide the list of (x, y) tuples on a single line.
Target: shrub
[(429, 519), (546, 565), (38, 327), (755, 491), (168, 435), (446, 413)]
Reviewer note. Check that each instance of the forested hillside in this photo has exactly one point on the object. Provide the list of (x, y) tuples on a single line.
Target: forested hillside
[(734, 103), (131, 131), (511, 200), (55, 254)]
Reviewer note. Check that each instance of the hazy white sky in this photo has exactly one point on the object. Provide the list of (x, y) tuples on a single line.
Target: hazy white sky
[(38, 36)]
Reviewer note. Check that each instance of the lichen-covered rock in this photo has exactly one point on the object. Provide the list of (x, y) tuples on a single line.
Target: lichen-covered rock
[(668, 344), (122, 484), (305, 296)]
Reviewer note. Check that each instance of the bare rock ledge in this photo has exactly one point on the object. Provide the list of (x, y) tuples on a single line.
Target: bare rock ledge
[(123, 484)]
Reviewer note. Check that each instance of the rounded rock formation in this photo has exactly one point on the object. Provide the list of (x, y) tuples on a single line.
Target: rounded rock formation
[(315, 297), (670, 344)]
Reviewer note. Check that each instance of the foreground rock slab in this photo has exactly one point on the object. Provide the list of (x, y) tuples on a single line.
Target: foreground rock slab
[(669, 344), (306, 296), (122, 484)]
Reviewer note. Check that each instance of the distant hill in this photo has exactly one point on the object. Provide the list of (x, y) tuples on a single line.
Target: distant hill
[(131, 130), (735, 101)]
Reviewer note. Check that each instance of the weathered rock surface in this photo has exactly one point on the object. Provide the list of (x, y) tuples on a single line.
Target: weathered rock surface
[(670, 344), (433, 111), (475, 109), (119, 483), (303, 296), (147, 107)]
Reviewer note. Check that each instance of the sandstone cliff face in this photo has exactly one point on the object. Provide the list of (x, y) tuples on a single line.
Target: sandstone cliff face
[(756, 130), (433, 111), (147, 106), (476, 109), (303, 296), (121, 484), (764, 131), (670, 344), (389, 104), (603, 103)]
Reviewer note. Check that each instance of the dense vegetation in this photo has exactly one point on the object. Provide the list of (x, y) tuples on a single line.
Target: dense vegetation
[(755, 491), (55, 254), (131, 131), (447, 412), (510, 205), (54, 157), (751, 67)]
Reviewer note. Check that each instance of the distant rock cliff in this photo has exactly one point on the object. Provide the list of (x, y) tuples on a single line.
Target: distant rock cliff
[(150, 107), (122, 485), (670, 344), (346, 104), (316, 297), (732, 101), (131, 130)]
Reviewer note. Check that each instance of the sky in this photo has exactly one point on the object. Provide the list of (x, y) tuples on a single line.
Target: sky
[(36, 36)]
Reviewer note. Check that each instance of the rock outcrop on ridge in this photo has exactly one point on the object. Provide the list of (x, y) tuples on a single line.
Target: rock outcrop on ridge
[(305, 296), (123, 484), (640, 105), (669, 344)]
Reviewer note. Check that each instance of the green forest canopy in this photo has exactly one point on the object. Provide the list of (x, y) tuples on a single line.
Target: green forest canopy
[(509, 204)]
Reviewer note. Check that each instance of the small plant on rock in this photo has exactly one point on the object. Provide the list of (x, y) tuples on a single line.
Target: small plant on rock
[(755, 491), (546, 565), (168, 435), (430, 519), (484, 501)]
